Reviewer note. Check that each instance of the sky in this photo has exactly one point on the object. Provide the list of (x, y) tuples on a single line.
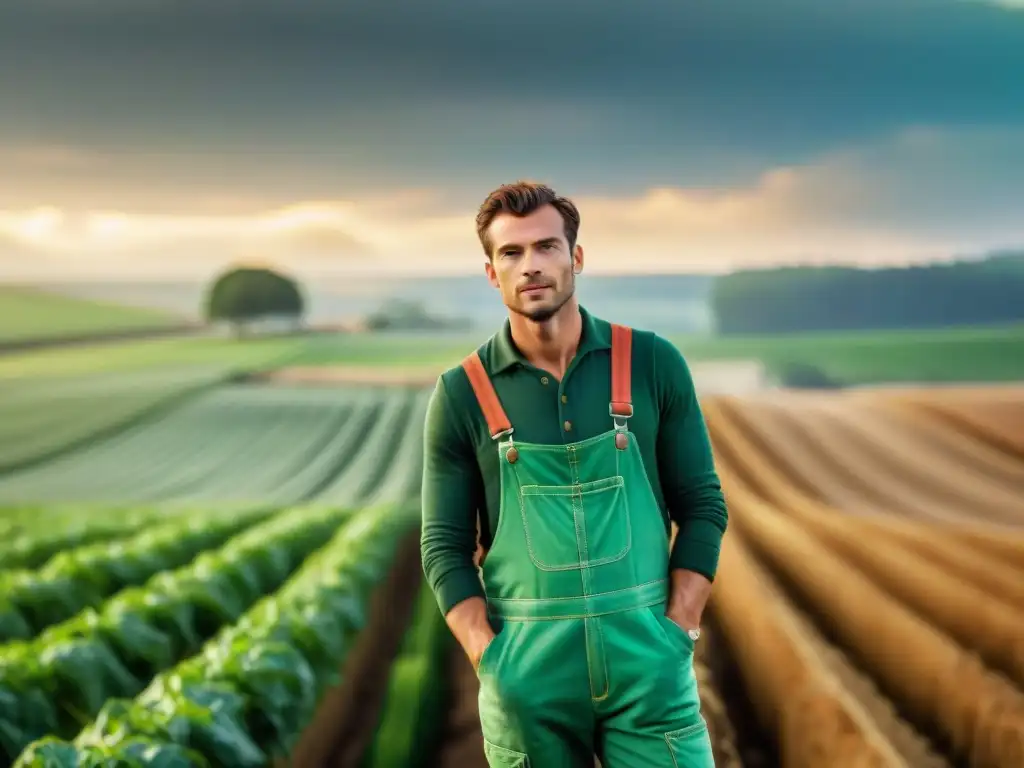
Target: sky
[(160, 138)]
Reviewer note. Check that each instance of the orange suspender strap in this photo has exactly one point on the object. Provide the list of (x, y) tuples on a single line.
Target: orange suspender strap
[(497, 421), (622, 397)]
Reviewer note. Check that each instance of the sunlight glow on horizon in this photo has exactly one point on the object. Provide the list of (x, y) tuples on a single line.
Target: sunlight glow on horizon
[(663, 231), (923, 195)]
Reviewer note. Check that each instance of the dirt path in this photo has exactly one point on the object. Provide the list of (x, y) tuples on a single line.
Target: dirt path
[(462, 744), (335, 375), (349, 712)]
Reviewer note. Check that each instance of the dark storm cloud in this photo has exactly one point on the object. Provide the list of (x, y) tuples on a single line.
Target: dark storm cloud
[(659, 90)]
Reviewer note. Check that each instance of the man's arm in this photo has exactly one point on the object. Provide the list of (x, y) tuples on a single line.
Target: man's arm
[(691, 486), (452, 491)]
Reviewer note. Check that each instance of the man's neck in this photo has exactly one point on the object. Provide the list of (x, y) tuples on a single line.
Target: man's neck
[(550, 345)]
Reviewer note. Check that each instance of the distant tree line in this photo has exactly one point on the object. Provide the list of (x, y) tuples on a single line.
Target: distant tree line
[(795, 299)]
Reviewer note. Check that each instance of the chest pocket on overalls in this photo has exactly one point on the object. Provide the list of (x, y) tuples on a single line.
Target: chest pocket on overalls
[(576, 526)]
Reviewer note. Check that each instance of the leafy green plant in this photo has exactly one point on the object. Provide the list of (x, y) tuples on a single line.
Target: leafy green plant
[(250, 692), (81, 578), (59, 681), (30, 537)]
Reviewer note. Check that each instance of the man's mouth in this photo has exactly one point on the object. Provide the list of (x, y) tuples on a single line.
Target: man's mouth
[(532, 288)]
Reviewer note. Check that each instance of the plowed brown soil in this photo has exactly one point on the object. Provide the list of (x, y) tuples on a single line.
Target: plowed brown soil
[(794, 466), (992, 415)]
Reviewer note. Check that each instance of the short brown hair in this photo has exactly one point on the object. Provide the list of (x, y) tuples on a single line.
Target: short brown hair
[(520, 199)]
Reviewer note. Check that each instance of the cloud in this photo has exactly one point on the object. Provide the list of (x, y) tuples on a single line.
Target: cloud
[(923, 194), (1015, 5), (667, 90), (217, 114)]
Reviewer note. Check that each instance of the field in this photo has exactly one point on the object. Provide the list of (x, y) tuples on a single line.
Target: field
[(27, 314), (201, 568), (949, 355), (953, 355)]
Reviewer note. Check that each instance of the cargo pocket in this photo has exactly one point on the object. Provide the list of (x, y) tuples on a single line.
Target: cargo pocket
[(500, 757), (690, 747)]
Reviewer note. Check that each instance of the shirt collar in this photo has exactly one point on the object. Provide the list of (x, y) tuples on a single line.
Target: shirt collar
[(504, 354)]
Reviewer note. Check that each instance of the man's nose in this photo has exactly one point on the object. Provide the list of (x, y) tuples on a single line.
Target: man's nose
[(529, 264)]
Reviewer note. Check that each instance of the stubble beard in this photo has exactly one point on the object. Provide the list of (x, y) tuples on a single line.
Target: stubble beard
[(543, 314)]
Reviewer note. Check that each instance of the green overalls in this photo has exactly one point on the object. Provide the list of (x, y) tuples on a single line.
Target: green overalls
[(585, 662)]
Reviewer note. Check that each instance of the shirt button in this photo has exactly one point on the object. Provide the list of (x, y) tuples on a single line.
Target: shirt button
[(544, 380), (565, 399), (568, 426)]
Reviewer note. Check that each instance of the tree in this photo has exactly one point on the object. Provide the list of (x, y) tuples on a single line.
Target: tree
[(246, 294)]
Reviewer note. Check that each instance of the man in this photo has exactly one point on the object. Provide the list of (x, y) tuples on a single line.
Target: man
[(578, 441)]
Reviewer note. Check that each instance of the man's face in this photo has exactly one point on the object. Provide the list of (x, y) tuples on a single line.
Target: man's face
[(531, 264)]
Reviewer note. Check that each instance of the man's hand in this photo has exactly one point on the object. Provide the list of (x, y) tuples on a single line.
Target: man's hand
[(477, 647), (687, 598), (471, 628)]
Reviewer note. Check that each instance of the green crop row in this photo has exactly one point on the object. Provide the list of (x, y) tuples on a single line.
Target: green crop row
[(303, 440), (405, 474), (59, 681), (249, 694), (413, 701), (30, 537), (42, 418), (81, 578), (373, 456)]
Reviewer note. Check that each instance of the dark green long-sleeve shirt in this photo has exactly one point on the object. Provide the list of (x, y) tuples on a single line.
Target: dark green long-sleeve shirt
[(460, 473)]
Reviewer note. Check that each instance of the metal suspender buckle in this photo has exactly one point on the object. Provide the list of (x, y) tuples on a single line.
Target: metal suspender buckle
[(512, 453), (619, 420), (617, 417)]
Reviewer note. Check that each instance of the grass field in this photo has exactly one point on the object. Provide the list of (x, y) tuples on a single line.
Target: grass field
[(199, 570), (151, 354), (941, 355), (30, 314), (944, 355)]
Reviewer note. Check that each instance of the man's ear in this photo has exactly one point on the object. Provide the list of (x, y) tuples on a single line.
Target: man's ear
[(492, 276), (577, 259)]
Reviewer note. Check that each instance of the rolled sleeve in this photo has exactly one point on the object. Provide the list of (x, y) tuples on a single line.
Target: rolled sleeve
[(690, 482), (451, 495)]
